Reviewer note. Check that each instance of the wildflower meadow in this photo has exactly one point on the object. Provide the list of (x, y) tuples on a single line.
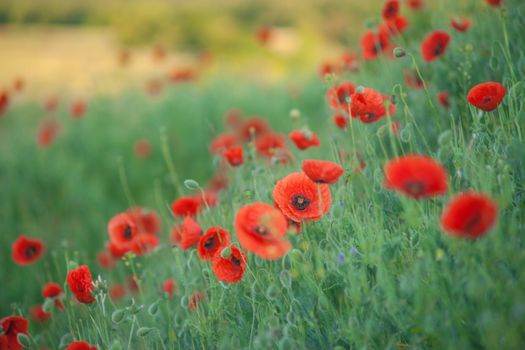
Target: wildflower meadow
[(374, 200)]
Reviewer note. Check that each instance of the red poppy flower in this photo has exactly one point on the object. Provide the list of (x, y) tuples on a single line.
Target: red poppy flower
[(264, 34), (4, 102), (194, 300), (142, 148), (339, 94), (117, 251), (104, 259), (416, 176), (390, 9), (486, 96), (304, 139), (268, 144), (349, 62), (254, 127), (53, 291), (80, 345), (170, 287), (372, 44), (122, 229), (214, 238), (117, 291), (234, 155), (299, 198), (78, 109), (435, 45), (143, 244), (495, 3), (182, 75), (229, 269), (415, 4), (223, 142), (80, 282), (261, 229), (461, 24), (469, 215), (369, 105), (186, 205), (443, 100), (393, 27), (412, 80), (12, 326), (147, 221), (187, 234), (327, 68), (26, 251), (322, 171), (47, 132), (38, 314), (340, 121)]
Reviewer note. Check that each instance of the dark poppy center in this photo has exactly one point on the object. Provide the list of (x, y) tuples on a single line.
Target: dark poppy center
[(341, 96), (210, 243), (487, 99), (391, 10), (414, 187), (235, 261), (300, 202), (261, 230), (30, 251), (472, 222), (127, 232), (438, 50)]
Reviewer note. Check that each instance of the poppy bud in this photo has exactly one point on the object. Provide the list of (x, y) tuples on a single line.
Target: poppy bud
[(118, 315), (144, 331), (23, 339), (153, 308), (191, 184), (65, 340), (399, 52), (295, 114), (226, 252), (47, 305), (116, 346)]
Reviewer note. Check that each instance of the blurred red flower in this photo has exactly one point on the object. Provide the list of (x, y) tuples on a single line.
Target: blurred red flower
[(78, 109), (214, 238), (322, 171), (12, 326), (80, 345), (339, 95), (269, 143), (26, 251), (435, 45), (53, 291), (253, 127), (229, 269), (170, 287), (187, 233), (390, 9), (186, 205), (304, 139), (47, 132), (461, 24), (340, 121), (261, 229), (369, 105), (372, 44), (234, 155), (38, 314), (195, 299), (4, 102), (416, 176), (443, 100), (469, 215)]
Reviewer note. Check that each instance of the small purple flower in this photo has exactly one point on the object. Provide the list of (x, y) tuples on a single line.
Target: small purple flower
[(354, 251), (341, 204), (340, 258)]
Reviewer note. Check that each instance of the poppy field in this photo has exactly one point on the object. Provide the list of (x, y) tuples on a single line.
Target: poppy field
[(375, 202)]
